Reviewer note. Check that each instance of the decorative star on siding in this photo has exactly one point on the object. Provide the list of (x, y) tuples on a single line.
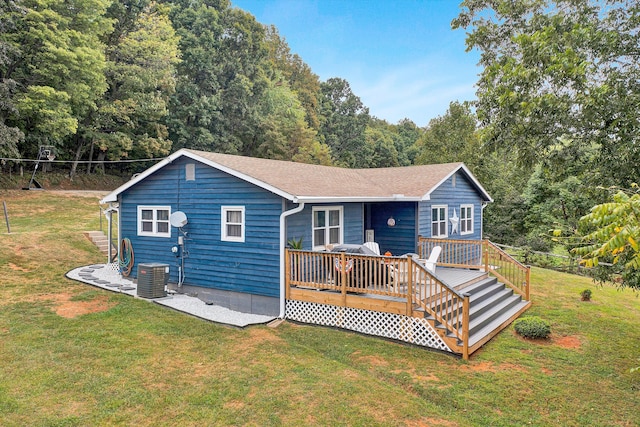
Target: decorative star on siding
[(454, 222)]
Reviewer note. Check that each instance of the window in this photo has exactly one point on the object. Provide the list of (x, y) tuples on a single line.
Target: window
[(232, 220), (327, 226), (438, 221), (154, 221), (466, 219), (190, 172)]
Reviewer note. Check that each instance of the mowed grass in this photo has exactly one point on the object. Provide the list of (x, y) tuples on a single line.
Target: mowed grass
[(74, 355)]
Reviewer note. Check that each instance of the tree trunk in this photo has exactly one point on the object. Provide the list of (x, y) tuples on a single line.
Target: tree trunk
[(74, 165), (100, 160), (90, 158)]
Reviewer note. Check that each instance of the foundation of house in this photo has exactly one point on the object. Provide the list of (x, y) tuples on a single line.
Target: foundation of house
[(236, 301)]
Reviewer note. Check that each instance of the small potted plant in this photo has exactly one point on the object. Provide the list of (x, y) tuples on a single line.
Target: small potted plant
[(586, 295), (295, 243)]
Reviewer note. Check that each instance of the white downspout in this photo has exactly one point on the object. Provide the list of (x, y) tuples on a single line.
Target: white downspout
[(482, 206), (109, 213), (283, 237)]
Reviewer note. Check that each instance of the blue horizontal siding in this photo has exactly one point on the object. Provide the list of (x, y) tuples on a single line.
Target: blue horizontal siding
[(249, 267), (253, 266), (402, 237), (464, 193)]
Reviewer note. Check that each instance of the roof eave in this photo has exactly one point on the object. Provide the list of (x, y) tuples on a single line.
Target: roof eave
[(485, 195), (113, 196), (350, 199), (241, 176)]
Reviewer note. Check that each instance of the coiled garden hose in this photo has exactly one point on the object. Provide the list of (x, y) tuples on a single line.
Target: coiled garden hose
[(126, 257)]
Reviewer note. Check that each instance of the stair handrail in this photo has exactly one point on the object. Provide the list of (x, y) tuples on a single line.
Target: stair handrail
[(451, 313), (482, 254), (516, 275)]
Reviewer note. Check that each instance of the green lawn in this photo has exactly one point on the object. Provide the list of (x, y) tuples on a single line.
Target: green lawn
[(76, 355)]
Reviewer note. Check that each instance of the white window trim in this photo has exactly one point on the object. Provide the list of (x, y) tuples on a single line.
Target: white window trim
[(446, 221), (326, 227), (468, 231), (155, 232), (223, 224)]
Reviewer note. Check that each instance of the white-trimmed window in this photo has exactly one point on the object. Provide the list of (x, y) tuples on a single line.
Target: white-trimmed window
[(232, 220), (439, 216), (154, 221), (466, 219), (327, 226)]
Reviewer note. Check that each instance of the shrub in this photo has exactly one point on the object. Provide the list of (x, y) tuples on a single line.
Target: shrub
[(586, 295), (532, 327)]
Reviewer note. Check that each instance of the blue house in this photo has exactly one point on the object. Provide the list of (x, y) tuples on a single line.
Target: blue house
[(241, 212)]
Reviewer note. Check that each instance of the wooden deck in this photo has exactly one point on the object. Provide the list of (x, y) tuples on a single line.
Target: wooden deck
[(454, 309), (459, 278)]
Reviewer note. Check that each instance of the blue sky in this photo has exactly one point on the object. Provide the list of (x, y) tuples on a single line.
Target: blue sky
[(400, 57)]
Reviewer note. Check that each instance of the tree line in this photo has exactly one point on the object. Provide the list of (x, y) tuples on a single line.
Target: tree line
[(555, 125), (108, 80)]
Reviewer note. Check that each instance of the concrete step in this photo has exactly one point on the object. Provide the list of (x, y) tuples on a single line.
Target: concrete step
[(101, 241)]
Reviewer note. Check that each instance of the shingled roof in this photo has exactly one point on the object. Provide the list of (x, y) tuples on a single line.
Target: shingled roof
[(304, 182)]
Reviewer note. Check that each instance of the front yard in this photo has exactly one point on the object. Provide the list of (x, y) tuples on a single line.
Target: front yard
[(76, 355)]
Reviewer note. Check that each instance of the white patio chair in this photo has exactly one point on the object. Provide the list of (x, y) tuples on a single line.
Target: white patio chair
[(399, 272), (373, 246), (430, 263)]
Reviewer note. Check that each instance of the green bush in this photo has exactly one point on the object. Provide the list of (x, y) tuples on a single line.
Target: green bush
[(586, 295), (532, 327)]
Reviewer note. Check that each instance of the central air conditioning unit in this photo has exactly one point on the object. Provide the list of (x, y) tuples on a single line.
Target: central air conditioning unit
[(152, 279)]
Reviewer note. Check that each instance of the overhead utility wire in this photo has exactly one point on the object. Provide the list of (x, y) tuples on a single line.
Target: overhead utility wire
[(81, 161)]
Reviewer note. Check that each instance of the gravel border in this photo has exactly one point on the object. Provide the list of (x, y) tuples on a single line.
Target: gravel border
[(106, 276)]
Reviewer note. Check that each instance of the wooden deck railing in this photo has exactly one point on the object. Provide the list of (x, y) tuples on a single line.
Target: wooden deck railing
[(399, 277), (481, 254)]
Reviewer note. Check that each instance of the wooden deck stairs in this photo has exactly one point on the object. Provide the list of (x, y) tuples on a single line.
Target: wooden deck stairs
[(476, 291), (492, 307)]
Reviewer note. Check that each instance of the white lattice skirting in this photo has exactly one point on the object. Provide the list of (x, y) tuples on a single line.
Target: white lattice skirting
[(394, 326)]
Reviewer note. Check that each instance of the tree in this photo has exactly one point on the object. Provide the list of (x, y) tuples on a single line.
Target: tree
[(284, 133), (406, 134), (10, 136), (553, 69), (54, 55), (380, 149), (142, 52), (553, 203), (450, 138), (297, 73), (344, 120), (613, 234), (221, 78)]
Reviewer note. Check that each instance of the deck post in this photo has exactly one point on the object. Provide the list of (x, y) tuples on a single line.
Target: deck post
[(465, 327), (343, 278), (409, 286), (528, 279), (287, 274), (485, 246)]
